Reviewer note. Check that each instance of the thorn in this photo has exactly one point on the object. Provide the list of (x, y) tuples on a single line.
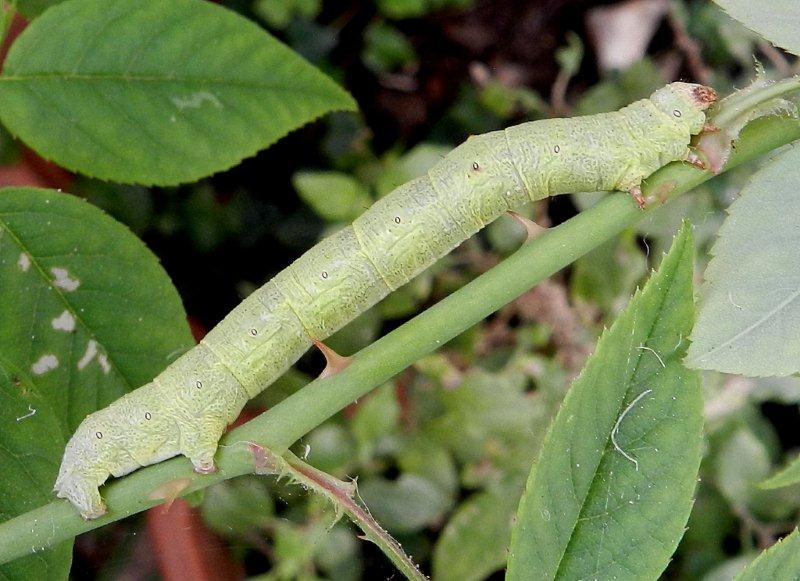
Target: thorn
[(532, 229), (334, 362), (264, 464), (695, 160), (636, 193), (169, 492)]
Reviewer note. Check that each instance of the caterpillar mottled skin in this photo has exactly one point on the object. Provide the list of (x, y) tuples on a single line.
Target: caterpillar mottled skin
[(186, 409)]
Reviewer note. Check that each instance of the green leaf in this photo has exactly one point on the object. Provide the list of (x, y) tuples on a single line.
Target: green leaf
[(422, 455), (238, 507), (402, 8), (412, 164), (331, 449), (31, 444), (358, 333), (749, 309), (569, 57), (703, 545), (295, 545), (334, 196), (32, 8), (406, 300), (608, 274), (621, 88), (743, 461), (788, 475), (778, 21), (405, 505), (88, 314), (506, 234), (280, 13), (506, 420), (611, 493), (728, 569), (386, 48), (339, 554), (377, 417), (474, 542), (781, 561), (276, 13), (155, 92)]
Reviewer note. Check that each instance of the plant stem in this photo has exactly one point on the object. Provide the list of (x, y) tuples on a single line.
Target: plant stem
[(342, 495), (298, 414), (747, 100)]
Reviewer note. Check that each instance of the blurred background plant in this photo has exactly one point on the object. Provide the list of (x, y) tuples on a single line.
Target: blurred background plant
[(442, 452)]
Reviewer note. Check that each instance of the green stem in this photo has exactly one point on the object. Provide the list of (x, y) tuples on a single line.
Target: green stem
[(295, 416), (343, 497), (742, 103)]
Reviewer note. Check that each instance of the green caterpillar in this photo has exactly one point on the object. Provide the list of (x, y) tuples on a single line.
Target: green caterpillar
[(187, 407)]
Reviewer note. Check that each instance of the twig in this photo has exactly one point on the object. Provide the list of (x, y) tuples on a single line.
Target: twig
[(342, 496)]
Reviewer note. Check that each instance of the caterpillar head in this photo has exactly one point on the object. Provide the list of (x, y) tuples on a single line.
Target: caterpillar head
[(685, 103), (79, 477)]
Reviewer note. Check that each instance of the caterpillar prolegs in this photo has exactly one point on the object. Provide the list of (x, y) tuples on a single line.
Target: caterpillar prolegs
[(188, 406)]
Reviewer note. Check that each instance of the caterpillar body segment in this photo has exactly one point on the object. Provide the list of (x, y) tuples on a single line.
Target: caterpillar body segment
[(187, 407)]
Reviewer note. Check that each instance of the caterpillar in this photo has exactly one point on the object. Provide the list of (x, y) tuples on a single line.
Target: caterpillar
[(186, 408)]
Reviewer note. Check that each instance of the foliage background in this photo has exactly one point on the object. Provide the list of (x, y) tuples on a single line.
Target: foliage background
[(442, 452)]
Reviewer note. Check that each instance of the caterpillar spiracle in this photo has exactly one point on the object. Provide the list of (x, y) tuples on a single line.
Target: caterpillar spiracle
[(188, 406)]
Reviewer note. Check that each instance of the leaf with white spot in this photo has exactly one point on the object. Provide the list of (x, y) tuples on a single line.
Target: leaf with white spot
[(88, 314), (64, 322), (749, 309), (156, 92), (611, 493)]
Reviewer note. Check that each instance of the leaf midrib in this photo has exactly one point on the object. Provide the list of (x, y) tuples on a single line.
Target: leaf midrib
[(771, 314), (117, 77)]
